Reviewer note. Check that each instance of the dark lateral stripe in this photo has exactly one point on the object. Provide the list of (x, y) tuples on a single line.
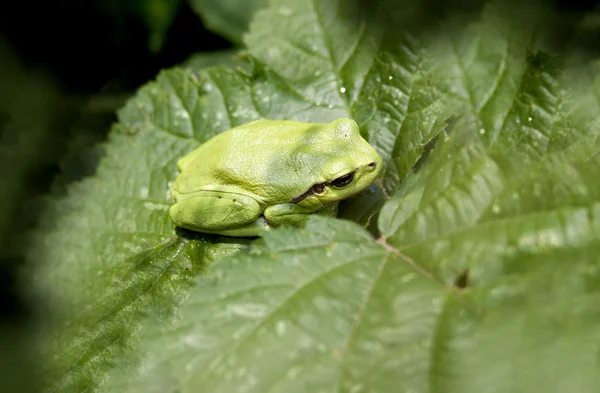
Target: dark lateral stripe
[(303, 196)]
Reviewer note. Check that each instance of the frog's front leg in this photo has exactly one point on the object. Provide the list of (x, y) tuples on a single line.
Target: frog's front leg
[(225, 213), (292, 214)]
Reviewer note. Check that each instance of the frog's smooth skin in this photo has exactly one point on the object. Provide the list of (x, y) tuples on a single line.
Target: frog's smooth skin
[(270, 173)]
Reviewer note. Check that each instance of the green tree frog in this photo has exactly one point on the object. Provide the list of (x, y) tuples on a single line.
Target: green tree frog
[(270, 173)]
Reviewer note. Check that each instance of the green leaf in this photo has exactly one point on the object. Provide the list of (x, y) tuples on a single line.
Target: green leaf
[(274, 304), (110, 242), (483, 196), (538, 318), (229, 18), (229, 58), (339, 312), (484, 276)]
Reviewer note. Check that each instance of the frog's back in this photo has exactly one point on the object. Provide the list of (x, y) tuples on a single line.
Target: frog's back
[(263, 155), (270, 137), (257, 135), (259, 153)]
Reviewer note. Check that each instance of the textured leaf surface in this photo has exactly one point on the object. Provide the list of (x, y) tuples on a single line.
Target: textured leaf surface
[(338, 312), (109, 251), (245, 316), (229, 58), (485, 276)]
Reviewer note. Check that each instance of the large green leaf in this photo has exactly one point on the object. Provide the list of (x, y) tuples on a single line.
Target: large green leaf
[(489, 199), (328, 309), (229, 58)]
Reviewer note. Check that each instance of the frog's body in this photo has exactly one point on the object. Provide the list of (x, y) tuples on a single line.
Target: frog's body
[(269, 173)]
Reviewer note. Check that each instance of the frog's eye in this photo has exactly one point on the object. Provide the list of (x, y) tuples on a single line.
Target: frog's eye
[(343, 181)]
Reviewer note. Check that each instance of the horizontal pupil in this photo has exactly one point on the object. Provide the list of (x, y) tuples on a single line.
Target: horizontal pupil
[(342, 181)]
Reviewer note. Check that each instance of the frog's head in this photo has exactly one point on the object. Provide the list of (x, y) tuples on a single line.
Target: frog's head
[(351, 164)]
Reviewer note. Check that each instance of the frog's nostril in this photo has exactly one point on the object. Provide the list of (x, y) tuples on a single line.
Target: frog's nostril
[(372, 165)]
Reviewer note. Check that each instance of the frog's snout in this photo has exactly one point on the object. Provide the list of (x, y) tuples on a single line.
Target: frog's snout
[(371, 169)]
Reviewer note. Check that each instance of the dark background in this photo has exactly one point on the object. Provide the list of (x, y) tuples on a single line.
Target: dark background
[(65, 67)]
